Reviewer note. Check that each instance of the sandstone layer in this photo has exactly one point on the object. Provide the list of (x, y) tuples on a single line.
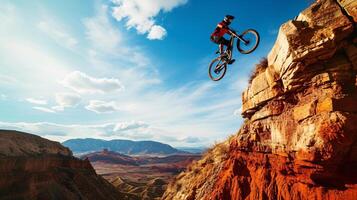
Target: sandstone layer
[(299, 139), (35, 168)]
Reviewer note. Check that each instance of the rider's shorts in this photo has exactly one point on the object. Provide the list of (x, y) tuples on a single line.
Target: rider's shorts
[(220, 40)]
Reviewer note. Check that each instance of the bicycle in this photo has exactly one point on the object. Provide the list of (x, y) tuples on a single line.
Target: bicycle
[(248, 37)]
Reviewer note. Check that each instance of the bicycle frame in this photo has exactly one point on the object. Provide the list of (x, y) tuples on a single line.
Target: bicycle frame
[(229, 49), (229, 52), (238, 36), (226, 57)]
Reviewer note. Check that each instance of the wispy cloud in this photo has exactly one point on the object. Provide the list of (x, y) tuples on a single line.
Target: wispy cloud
[(107, 47), (125, 126), (58, 33), (102, 106), (43, 109), (66, 100), (141, 15), (83, 83), (101, 32), (37, 101)]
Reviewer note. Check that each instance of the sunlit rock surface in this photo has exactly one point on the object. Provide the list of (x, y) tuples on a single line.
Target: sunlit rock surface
[(299, 140), (32, 167)]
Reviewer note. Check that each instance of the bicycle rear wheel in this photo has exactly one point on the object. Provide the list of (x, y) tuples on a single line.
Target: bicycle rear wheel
[(217, 69), (252, 40)]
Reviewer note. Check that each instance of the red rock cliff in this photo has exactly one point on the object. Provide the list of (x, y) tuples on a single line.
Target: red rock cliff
[(299, 139), (32, 167)]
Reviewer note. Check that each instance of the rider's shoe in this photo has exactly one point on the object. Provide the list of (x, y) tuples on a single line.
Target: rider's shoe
[(231, 61), (218, 51)]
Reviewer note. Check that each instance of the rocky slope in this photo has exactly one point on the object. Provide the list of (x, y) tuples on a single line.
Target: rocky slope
[(15, 143), (299, 139), (141, 177), (35, 168)]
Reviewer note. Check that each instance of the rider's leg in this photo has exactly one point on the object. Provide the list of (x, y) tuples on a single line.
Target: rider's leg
[(221, 49), (223, 43), (228, 43)]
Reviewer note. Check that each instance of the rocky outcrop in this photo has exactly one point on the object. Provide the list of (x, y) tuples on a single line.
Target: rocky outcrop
[(299, 139), (14, 143), (35, 168)]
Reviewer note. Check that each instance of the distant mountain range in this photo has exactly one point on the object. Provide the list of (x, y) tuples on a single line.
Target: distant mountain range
[(198, 150), (127, 147)]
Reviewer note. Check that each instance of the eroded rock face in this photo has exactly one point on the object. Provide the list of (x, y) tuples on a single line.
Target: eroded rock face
[(299, 140), (32, 167), (14, 143)]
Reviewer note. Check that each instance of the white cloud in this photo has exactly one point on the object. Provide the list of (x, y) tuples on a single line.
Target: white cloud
[(64, 100), (44, 109), (141, 14), (157, 33), (82, 83), (36, 101), (125, 126), (107, 47), (58, 33), (102, 106), (40, 128)]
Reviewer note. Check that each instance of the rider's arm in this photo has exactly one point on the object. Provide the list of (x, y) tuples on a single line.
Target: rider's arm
[(229, 31)]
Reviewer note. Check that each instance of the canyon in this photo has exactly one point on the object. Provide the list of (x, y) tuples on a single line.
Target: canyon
[(139, 177), (32, 167)]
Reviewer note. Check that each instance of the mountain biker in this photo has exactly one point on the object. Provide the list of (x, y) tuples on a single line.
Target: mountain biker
[(221, 29)]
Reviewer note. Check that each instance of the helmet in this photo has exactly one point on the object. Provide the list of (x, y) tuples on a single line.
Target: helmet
[(228, 19)]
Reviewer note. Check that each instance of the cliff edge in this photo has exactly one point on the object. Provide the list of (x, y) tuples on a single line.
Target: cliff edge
[(32, 167), (299, 139)]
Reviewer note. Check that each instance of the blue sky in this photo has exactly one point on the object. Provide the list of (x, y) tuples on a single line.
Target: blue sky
[(133, 69)]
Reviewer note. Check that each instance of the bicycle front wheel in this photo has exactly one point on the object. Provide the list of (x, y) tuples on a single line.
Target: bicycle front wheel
[(251, 41), (217, 69)]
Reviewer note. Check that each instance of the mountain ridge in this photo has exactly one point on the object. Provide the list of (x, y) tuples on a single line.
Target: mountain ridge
[(128, 147)]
